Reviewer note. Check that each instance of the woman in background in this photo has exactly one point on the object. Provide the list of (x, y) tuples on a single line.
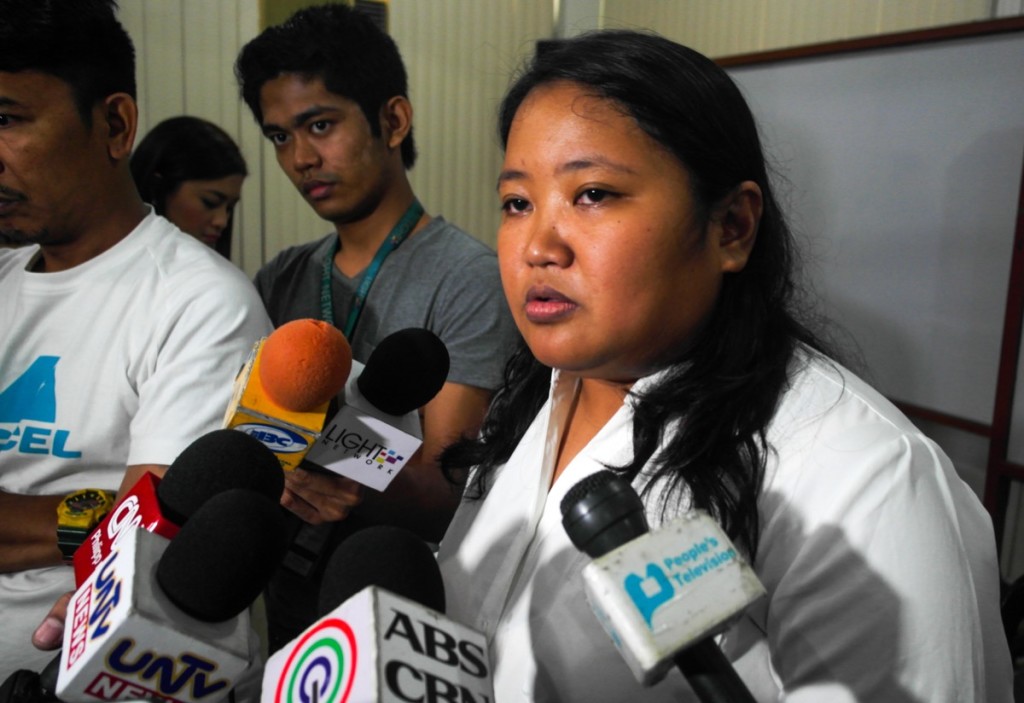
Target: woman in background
[(651, 274), (191, 172)]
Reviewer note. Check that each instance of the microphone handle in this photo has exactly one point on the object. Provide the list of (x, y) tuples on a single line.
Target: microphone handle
[(711, 675)]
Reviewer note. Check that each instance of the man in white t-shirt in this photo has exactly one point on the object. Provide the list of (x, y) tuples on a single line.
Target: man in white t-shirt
[(121, 335)]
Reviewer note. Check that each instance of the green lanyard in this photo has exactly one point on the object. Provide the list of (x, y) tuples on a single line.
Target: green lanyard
[(397, 235)]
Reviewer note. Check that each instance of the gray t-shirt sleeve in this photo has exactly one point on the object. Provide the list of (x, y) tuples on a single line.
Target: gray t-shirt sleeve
[(473, 320), (289, 284)]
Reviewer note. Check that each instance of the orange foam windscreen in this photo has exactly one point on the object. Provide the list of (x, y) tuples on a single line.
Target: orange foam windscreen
[(304, 363)]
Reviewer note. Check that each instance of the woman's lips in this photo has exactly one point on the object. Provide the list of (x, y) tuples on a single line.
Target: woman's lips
[(545, 304)]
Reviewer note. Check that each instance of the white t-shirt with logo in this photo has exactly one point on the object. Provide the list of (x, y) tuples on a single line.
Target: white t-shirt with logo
[(122, 360)]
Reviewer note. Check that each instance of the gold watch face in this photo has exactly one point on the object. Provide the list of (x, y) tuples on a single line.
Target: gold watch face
[(84, 508)]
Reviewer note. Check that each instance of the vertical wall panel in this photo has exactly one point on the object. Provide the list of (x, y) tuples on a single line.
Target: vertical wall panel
[(163, 59), (455, 86)]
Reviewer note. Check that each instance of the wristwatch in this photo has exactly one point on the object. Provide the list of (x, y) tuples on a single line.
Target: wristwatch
[(77, 515)]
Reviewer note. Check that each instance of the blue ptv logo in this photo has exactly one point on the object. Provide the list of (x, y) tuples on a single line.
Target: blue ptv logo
[(649, 593), (29, 400)]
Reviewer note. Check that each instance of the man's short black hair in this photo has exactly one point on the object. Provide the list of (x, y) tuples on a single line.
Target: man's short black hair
[(342, 47), (80, 42)]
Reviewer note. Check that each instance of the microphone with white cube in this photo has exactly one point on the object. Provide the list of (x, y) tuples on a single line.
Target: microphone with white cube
[(661, 596), (166, 619), (382, 635), (376, 428)]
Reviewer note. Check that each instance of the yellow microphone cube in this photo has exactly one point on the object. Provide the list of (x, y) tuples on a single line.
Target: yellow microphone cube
[(287, 433)]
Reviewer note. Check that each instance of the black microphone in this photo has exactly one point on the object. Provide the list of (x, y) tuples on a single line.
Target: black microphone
[(168, 620), (221, 560), (404, 371), (388, 557), (602, 513), (382, 634), (376, 428), (215, 462)]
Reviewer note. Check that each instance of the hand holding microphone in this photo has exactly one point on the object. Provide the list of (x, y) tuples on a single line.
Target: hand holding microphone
[(375, 430), (661, 596)]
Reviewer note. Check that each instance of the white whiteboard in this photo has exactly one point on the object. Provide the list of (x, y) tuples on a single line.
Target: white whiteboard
[(904, 171)]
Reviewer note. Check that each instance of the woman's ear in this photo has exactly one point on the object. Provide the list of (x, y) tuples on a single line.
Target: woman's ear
[(396, 120), (736, 218)]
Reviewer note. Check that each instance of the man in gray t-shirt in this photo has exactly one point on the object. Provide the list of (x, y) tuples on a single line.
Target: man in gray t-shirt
[(441, 279), (328, 89)]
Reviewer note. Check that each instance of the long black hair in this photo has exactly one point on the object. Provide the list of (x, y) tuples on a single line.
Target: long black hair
[(721, 392), (182, 149)]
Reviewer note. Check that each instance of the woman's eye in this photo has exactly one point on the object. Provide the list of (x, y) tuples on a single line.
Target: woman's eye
[(593, 195), (514, 206)]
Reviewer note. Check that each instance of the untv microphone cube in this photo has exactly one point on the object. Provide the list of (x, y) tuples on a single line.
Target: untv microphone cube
[(668, 589), (138, 508), (377, 647), (118, 645), (364, 443)]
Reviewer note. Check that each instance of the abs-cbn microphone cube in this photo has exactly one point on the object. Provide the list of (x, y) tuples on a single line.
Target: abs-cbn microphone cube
[(668, 589), (378, 647), (125, 640), (364, 443)]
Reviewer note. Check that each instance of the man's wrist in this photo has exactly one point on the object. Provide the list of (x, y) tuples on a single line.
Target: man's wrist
[(77, 515)]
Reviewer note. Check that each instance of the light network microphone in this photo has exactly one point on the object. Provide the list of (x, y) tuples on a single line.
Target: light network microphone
[(382, 635), (661, 596), (377, 429), (283, 392), (215, 462), (167, 620)]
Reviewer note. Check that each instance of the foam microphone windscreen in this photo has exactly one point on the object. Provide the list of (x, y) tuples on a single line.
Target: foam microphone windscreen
[(388, 557), (218, 461), (404, 371), (304, 364), (602, 512), (222, 558)]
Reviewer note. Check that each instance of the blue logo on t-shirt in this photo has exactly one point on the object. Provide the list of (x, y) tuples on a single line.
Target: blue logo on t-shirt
[(32, 398)]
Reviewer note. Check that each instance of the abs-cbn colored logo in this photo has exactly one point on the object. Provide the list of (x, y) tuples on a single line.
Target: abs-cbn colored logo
[(321, 667), (277, 439)]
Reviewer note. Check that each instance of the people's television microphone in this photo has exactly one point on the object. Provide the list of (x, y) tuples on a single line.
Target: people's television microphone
[(166, 619), (376, 428), (215, 462), (382, 635), (662, 595), (283, 393)]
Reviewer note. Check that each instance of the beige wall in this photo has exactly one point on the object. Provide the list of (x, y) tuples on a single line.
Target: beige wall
[(727, 27), (186, 50), (459, 55)]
